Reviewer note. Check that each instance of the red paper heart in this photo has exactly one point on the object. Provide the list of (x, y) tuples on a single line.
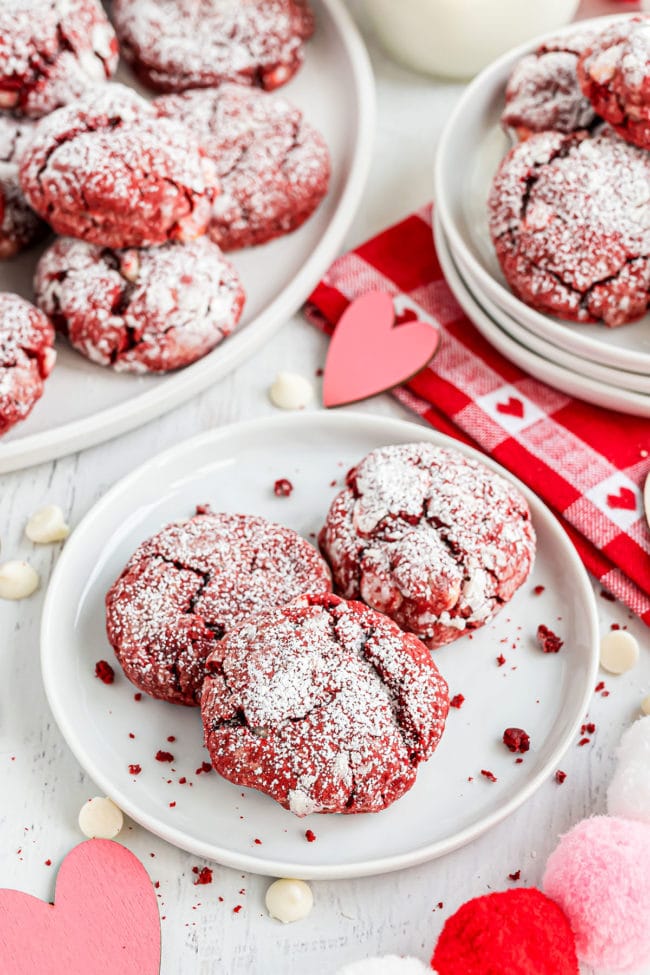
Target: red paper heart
[(368, 354), (625, 499), (514, 407), (105, 920)]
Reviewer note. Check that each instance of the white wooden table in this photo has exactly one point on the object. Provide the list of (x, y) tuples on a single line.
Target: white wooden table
[(42, 787)]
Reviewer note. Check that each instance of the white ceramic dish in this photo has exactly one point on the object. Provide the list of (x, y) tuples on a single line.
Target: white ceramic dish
[(84, 404), (235, 468), (469, 153), (631, 381), (568, 381)]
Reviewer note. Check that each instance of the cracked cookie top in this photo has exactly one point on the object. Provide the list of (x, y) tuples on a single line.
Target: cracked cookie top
[(140, 310), (324, 705), (19, 225), (179, 44), (107, 170), (51, 51), (543, 92), (186, 587), (26, 357), (570, 221), (273, 167), (433, 539), (614, 74)]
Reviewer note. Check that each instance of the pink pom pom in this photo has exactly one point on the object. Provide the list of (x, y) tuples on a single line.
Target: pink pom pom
[(599, 874)]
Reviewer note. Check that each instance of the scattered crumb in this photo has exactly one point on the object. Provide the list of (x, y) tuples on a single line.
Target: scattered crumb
[(457, 701), (104, 671)]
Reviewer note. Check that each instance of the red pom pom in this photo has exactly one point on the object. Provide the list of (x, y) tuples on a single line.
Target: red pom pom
[(518, 931)]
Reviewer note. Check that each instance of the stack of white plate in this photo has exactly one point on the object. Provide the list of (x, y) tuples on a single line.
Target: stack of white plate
[(605, 366)]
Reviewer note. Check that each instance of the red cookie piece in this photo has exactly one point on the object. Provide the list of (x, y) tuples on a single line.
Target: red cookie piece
[(19, 225), (433, 539), (140, 310), (190, 584), (107, 170), (177, 44), (567, 244), (543, 92), (26, 358), (614, 74), (51, 51), (518, 932), (273, 167), (324, 705)]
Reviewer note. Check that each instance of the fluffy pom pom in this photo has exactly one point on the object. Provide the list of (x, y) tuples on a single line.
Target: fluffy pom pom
[(629, 792), (388, 965), (599, 875), (517, 931)]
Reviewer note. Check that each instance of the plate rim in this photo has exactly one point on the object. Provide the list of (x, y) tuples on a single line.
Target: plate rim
[(377, 426), (546, 349), (186, 383), (499, 292), (619, 400)]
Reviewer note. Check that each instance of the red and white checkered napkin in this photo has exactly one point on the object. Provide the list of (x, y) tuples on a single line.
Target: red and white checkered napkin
[(588, 464)]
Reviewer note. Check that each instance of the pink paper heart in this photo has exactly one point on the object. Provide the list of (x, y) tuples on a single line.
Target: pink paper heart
[(104, 921), (368, 354)]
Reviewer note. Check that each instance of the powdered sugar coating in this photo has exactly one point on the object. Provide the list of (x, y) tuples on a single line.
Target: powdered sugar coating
[(183, 589), (324, 705), (614, 74), (140, 310), (26, 358), (543, 90), (179, 44), (51, 51), (570, 221), (107, 170), (19, 225), (433, 539), (273, 167)]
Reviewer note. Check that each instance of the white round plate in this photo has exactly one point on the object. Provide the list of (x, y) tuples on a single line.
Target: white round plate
[(234, 468), (620, 378), (566, 380), (469, 154), (84, 404)]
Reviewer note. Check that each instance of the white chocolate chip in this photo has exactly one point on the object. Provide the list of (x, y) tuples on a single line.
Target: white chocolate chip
[(291, 391), (17, 580), (289, 900), (47, 525), (645, 704), (100, 819), (619, 652)]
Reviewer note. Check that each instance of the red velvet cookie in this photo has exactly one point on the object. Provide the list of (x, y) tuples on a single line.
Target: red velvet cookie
[(26, 358), (140, 310), (569, 221), (106, 169), (177, 44), (273, 167), (19, 225), (543, 91), (51, 51), (194, 581), (324, 705), (614, 73), (433, 539)]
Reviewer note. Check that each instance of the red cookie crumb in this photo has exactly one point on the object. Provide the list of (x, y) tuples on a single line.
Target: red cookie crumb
[(490, 776), (177, 44), (310, 836), (583, 742), (107, 170), (282, 488), (204, 876), (457, 701), (204, 767), (538, 590), (600, 686), (257, 842), (135, 769), (104, 671), (237, 909), (548, 640), (560, 776), (516, 740), (514, 876), (164, 756), (501, 660)]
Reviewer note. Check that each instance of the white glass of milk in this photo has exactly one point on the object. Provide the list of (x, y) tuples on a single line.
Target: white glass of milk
[(456, 38)]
